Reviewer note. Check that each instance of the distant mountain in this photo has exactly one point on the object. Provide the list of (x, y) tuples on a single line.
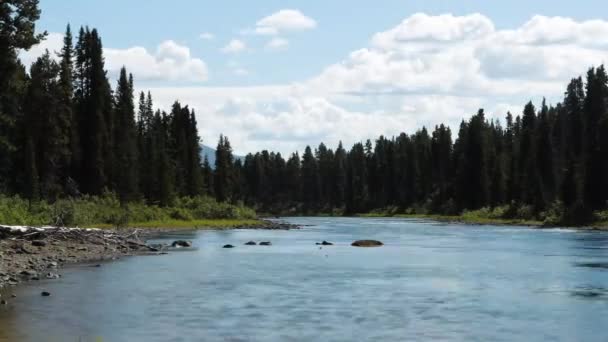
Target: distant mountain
[(209, 152)]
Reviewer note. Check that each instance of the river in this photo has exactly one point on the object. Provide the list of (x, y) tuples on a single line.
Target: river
[(431, 281)]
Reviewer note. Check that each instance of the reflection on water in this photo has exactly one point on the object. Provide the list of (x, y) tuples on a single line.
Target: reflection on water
[(589, 292), (602, 265), (431, 281)]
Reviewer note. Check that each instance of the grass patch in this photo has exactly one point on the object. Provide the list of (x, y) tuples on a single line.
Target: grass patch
[(106, 211)]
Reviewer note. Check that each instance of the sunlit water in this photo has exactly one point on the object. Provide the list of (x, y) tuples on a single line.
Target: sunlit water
[(430, 281)]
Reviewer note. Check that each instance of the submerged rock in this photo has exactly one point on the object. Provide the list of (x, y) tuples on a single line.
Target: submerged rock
[(228, 246), (251, 243), (326, 243), (45, 294), (265, 243), (51, 275), (367, 243), (181, 243)]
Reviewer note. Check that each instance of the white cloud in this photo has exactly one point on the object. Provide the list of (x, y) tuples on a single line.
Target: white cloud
[(207, 36), (234, 46), (284, 20), (53, 43), (277, 43), (424, 71), (170, 62)]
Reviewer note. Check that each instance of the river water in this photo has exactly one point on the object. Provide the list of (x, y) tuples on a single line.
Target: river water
[(431, 281)]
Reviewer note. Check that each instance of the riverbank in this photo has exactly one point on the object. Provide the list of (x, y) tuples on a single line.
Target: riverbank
[(34, 253), (31, 254), (476, 220)]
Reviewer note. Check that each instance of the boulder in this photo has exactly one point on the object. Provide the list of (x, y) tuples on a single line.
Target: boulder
[(29, 273), (228, 246), (38, 243), (367, 243), (51, 275), (3, 302), (251, 243), (265, 243), (181, 243)]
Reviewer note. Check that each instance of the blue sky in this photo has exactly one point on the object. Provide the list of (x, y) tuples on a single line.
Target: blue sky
[(285, 97)]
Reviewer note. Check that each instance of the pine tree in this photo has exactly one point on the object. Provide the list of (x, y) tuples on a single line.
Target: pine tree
[(17, 31), (224, 170), (125, 140), (310, 180)]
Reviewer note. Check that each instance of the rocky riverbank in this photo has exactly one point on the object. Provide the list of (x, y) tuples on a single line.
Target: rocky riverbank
[(30, 254), (34, 253)]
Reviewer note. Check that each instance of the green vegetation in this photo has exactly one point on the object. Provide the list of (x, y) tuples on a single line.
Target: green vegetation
[(107, 211), (501, 215), (66, 137)]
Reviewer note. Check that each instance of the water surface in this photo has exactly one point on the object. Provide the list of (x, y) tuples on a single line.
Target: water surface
[(431, 281)]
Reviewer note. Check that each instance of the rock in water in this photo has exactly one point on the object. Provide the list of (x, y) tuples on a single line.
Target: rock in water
[(228, 246), (265, 243), (45, 294), (251, 243), (325, 243), (3, 302), (181, 243), (367, 243)]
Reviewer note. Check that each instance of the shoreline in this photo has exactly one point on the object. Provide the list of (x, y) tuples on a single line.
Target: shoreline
[(597, 226), (32, 253)]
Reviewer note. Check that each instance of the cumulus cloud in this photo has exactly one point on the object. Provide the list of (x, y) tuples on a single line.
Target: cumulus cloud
[(424, 71), (468, 56), (52, 43), (170, 62), (234, 46), (277, 43), (285, 20)]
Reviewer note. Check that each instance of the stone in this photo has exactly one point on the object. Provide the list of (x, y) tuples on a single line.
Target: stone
[(325, 243), (52, 264), (367, 243), (38, 243), (51, 275), (45, 294), (265, 243), (228, 246), (251, 243), (3, 302), (29, 273), (181, 243)]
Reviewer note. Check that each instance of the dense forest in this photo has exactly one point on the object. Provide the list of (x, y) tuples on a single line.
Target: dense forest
[(65, 132)]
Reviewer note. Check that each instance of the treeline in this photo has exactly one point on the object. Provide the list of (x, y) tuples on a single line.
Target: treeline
[(551, 160), (65, 132)]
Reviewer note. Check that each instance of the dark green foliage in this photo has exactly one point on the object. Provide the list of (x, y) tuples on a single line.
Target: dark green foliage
[(65, 133), (224, 170)]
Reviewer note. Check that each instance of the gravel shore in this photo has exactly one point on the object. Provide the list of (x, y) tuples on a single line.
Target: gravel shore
[(34, 253), (30, 254)]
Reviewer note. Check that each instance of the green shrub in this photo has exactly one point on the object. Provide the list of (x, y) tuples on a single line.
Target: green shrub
[(106, 209)]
